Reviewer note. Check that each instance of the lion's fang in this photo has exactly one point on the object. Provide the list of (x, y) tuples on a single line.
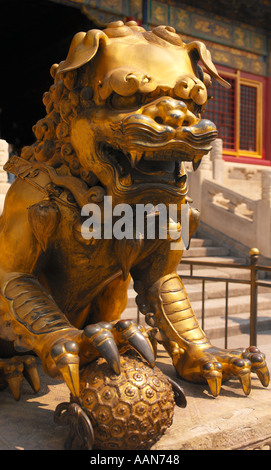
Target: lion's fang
[(135, 158)]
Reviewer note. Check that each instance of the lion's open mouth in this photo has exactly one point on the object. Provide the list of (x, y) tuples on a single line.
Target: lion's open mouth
[(132, 170), (143, 173)]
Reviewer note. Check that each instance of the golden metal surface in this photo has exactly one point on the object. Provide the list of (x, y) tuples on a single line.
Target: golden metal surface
[(124, 112), (130, 410)]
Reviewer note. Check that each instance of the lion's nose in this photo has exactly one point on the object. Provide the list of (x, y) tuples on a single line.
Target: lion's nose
[(170, 112), (194, 89)]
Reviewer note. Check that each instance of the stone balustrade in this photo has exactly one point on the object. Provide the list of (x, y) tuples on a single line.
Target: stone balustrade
[(231, 212)]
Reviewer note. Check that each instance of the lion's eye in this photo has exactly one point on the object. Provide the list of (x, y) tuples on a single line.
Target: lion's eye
[(124, 102)]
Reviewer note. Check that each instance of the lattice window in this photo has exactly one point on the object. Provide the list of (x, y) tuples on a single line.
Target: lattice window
[(237, 113), (248, 114), (221, 111)]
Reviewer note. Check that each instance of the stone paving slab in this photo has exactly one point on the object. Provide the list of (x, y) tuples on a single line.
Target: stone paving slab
[(28, 424), (226, 422)]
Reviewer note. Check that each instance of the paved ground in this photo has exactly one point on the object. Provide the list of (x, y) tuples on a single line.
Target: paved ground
[(226, 422), (230, 421)]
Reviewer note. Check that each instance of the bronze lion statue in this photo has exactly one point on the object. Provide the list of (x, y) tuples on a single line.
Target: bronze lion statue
[(123, 115)]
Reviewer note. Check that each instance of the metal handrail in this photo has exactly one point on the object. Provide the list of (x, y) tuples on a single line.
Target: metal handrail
[(253, 281)]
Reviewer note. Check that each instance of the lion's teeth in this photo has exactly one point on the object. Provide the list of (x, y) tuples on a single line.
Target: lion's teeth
[(181, 180), (135, 158), (196, 163)]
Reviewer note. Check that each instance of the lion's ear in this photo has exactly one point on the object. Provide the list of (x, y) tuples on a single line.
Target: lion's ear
[(82, 49), (198, 50)]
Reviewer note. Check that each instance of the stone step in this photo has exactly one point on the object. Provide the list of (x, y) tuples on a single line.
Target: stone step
[(213, 290), (214, 260), (215, 327), (214, 306), (243, 339), (209, 272), (195, 242), (194, 286), (202, 251), (236, 305)]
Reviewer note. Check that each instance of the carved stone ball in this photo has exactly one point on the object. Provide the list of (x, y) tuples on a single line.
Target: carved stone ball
[(130, 411)]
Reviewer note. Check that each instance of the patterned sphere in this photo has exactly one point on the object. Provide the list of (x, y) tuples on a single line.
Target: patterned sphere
[(130, 411)]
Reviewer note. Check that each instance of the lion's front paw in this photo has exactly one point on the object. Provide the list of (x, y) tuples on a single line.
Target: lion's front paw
[(215, 365), (70, 349), (14, 369)]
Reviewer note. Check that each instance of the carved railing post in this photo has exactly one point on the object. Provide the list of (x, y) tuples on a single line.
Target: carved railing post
[(217, 159), (266, 186), (196, 179)]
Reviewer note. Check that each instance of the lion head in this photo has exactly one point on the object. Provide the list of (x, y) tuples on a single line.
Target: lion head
[(125, 111)]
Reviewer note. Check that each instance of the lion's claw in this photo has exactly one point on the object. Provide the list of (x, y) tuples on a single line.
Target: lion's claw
[(66, 358), (241, 368), (212, 372), (128, 331), (14, 369), (258, 364), (100, 337), (106, 338), (238, 363)]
